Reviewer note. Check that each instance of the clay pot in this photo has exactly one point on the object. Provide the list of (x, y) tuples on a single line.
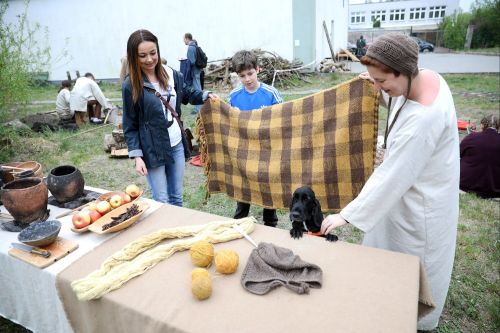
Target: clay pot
[(25, 199), (65, 183)]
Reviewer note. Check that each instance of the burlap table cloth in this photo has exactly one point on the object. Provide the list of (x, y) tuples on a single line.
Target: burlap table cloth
[(326, 141), (364, 289)]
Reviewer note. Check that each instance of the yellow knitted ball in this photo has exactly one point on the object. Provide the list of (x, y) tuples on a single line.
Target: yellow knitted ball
[(201, 287), (202, 253), (226, 261), (199, 272)]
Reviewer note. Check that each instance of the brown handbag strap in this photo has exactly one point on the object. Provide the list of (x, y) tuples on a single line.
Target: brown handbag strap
[(171, 109)]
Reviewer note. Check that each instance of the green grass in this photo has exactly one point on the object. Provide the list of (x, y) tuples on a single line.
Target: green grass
[(473, 301)]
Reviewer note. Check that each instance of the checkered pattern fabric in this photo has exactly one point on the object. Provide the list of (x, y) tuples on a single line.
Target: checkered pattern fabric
[(326, 141)]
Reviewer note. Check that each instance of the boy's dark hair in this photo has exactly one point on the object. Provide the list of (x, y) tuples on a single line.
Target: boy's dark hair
[(244, 60), (188, 36), (89, 75)]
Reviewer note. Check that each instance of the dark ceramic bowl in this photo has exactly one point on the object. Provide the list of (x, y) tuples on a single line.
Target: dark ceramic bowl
[(40, 233)]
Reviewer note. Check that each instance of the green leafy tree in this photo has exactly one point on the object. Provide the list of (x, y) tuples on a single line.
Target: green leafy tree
[(486, 19), (22, 53), (454, 29)]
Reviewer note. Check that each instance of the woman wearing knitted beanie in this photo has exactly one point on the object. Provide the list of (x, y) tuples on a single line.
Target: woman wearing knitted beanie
[(410, 202)]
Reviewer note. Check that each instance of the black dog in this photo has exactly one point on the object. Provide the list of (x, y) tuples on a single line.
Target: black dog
[(306, 215)]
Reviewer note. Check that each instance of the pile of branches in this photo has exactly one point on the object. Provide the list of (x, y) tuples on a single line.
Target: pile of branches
[(328, 65), (220, 73)]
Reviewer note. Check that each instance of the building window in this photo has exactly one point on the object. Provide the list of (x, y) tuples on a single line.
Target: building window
[(397, 15), (437, 11), (417, 13), (357, 17), (378, 15)]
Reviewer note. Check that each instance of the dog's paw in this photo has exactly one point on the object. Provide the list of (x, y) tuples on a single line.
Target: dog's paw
[(331, 238), (296, 233)]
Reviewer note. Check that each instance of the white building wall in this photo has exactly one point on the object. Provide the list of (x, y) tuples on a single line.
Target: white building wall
[(406, 5), (335, 14), (94, 33)]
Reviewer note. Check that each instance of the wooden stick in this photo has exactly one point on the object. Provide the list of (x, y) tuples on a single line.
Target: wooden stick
[(71, 211), (12, 168), (90, 130)]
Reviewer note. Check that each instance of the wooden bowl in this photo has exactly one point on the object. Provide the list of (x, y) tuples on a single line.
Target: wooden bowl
[(108, 195), (97, 225), (81, 230), (29, 165), (40, 233)]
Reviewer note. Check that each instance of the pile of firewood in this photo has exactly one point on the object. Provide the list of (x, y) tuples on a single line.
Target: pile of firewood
[(218, 73), (327, 65)]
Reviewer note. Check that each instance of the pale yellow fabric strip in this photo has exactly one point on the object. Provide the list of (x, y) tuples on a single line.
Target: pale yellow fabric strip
[(141, 255)]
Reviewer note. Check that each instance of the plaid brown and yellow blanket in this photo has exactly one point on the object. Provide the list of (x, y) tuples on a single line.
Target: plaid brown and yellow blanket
[(326, 140)]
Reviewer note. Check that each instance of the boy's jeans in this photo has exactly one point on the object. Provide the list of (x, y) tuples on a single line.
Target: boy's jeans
[(166, 181)]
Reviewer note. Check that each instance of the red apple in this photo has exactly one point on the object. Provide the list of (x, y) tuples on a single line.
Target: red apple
[(133, 190), (103, 207), (81, 219), (94, 215), (115, 201), (126, 198)]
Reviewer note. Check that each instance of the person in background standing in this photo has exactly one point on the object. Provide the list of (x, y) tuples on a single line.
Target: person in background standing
[(360, 45), (410, 202), (154, 137), (193, 70)]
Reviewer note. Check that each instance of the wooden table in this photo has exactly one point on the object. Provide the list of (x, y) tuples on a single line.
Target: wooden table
[(364, 289)]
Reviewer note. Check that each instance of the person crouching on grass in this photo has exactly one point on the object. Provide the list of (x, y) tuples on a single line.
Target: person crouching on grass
[(153, 136), (410, 202), (251, 95)]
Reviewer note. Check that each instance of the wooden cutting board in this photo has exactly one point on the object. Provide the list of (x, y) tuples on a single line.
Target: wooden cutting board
[(60, 248)]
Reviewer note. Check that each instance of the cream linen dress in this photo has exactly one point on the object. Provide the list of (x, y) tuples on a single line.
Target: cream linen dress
[(410, 203)]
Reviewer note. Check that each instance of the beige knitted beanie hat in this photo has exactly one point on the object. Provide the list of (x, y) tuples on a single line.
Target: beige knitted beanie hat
[(398, 51)]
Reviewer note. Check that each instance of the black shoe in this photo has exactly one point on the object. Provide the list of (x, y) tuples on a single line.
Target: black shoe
[(272, 224)]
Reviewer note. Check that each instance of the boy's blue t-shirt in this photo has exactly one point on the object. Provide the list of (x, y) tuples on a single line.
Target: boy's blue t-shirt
[(245, 101)]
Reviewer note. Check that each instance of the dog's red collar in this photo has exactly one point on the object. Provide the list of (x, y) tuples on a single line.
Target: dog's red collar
[(313, 233)]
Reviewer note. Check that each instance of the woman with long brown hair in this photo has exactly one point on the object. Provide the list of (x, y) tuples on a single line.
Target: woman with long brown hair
[(152, 96)]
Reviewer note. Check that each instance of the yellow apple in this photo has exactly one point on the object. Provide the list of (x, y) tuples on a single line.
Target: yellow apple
[(115, 201), (133, 190)]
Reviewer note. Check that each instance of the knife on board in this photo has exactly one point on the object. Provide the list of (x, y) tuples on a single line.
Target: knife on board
[(31, 249)]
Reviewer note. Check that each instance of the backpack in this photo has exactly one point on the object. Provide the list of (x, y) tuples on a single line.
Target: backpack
[(201, 58)]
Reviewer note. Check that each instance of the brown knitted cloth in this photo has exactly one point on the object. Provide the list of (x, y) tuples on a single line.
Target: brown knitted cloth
[(398, 51), (270, 266)]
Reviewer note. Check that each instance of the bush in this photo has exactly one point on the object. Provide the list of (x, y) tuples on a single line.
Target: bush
[(20, 56), (486, 18), (454, 29)]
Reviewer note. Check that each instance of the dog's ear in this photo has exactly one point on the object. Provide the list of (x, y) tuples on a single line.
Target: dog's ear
[(316, 213), (293, 201)]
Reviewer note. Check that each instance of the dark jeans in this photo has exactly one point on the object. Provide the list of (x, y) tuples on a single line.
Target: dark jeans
[(269, 215)]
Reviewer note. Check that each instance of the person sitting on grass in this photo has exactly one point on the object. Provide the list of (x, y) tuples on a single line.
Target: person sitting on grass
[(62, 102), (87, 101), (251, 95), (480, 160)]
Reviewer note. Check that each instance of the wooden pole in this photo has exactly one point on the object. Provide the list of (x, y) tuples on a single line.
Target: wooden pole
[(328, 39)]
